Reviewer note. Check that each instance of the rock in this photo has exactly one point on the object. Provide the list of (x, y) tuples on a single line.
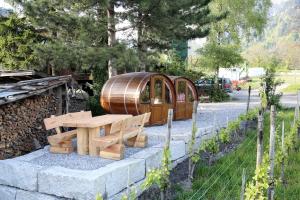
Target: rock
[(152, 157), (19, 174), (84, 185), (25, 195), (7, 193)]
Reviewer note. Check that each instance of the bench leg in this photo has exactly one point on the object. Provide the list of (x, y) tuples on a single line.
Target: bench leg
[(114, 152), (82, 141), (93, 132), (140, 140), (63, 147)]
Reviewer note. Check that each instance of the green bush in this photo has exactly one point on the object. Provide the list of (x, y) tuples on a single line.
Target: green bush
[(93, 104), (218, 95)]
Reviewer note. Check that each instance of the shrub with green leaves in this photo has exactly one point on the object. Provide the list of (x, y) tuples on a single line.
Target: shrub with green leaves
[(160, 176)]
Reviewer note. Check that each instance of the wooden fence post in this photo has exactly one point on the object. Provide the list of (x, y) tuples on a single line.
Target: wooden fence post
[(272, 153), (243, 184), (192, 140), (247, 109), (170, 118), (248, 100), (283, 152), (260, 135)]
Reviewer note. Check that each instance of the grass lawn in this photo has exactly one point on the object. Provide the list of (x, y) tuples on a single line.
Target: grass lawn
[(223, 179), (255, 84), (293, 82)]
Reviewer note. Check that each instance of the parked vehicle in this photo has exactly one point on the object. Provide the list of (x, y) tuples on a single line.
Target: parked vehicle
[(205, 85), (227, 84)]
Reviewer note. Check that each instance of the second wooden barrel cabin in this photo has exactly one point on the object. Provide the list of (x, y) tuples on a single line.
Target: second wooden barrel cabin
[(137, 93), (186, 94)]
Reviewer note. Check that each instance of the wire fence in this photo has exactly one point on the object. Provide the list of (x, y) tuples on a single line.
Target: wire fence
[(223, 169)]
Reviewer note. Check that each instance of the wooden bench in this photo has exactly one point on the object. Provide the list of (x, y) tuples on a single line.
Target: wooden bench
[(128, 131), (61, 142)]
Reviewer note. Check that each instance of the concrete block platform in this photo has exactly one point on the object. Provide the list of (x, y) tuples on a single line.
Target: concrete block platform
[(43, 175)]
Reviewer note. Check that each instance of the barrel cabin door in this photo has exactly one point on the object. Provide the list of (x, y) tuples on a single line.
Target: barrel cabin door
[(184, 100), (160, 100)]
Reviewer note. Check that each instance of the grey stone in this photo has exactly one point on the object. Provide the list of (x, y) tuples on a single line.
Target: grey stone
[(137, 187), (32, 155), (117, 179), (152, 156), (177, 149), (85, 185), (70, 183), (7, 193), (19, 174), (26, 195)]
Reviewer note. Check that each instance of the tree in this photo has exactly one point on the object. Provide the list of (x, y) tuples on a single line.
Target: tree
[(17, 38), (161, 24), (214, 56), (244, 18)]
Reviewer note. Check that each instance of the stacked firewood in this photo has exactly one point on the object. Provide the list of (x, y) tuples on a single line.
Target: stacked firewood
[(21, 125)]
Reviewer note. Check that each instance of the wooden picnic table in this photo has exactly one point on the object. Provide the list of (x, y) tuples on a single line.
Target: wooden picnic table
[(88, 128)]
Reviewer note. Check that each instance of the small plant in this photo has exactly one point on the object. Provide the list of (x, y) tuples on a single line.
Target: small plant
[(211, 146), (131, 196), (224, 136), (194, 157), (99, 197), (257, 188), (160, 176)]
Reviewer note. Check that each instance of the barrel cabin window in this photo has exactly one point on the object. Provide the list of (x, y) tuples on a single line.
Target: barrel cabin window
[(145, 94)]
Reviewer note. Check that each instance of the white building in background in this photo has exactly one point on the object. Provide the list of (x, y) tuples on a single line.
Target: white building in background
[(239, 73)]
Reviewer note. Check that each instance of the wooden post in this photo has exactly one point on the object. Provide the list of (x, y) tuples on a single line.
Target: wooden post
[(194, 115), (272, 153), (247, 109), (283, 152), (170, 117), (243, 184), (192, 141), (59, 98), (248, 100), (67, 99), (260, 135)]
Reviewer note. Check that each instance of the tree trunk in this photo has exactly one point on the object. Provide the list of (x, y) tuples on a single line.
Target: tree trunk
[(141, 46), (111, 31)]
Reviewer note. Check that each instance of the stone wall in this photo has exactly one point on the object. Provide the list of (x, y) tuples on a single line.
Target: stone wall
[(21, 125)]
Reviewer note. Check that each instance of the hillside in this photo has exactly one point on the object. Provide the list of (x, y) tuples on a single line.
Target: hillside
[(281, 37)]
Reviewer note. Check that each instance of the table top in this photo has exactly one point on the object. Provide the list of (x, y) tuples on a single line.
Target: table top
[(94, 121)]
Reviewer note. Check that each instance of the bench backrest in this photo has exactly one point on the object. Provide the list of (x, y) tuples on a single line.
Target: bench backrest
[(137, 122), (57, 121), (116, 127)]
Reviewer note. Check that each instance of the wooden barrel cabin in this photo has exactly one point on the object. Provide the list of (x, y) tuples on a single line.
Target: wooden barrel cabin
[(137, 93), (186, 94)]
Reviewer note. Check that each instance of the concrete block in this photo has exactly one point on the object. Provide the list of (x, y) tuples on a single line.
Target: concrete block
[(152, 157), (19, 174), (32, 155), (85, 185), (7, 193), (117, 179), (26, 195), (177, 149), (77, 184), (137, 187)]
